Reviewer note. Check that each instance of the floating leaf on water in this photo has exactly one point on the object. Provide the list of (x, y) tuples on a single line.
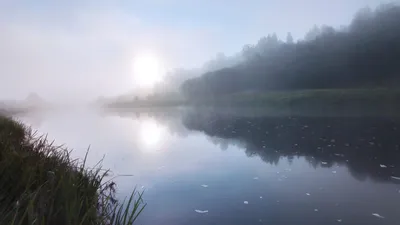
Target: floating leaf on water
[(204, 185), (201, 211), (396, 178), (246, 202), (377, 215), (382, 166), (308, 194)]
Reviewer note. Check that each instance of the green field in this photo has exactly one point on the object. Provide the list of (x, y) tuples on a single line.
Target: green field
[(325, 100)]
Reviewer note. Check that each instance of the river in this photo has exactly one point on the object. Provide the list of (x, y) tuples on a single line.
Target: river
[(211, 167)]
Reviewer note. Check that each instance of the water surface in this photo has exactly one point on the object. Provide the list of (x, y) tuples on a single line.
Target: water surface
[(223, 168)]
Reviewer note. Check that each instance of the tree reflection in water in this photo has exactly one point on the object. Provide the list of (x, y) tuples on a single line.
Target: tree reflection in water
[(368, 146)]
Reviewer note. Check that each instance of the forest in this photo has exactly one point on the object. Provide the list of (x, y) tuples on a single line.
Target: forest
[(364, 54)]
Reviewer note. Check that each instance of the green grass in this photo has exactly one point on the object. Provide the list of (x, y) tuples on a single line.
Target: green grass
[(40, 184), (278, 98), (374, 101)]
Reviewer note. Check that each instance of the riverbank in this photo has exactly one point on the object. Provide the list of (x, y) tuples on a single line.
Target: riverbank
[(376, 101), (41, 184)]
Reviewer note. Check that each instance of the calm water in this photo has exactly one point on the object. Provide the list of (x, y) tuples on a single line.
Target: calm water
[(242, 169)]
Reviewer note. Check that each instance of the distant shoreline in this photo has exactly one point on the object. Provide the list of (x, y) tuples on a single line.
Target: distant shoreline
[(325, 101)]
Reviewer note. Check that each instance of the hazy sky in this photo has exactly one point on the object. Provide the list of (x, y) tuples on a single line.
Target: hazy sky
[(78, 49)]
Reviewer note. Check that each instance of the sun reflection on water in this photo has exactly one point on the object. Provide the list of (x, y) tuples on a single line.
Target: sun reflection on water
[(152, 135)]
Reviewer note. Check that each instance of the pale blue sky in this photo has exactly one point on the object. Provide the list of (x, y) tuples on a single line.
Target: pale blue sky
[(85, 48)]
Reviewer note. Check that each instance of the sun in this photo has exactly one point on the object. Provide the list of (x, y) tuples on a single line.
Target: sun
[(147, 70)]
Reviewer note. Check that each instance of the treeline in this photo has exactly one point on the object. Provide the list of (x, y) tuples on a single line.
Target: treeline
[(366, 53)]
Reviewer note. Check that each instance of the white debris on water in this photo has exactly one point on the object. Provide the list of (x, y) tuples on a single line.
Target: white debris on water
[(277, 172), (308, 194), (246, 202), (334, 171), (339, 155), (377, 215), (324, 163), (255, 178), (161, 167), (333, 140), (315, 210), (396, 178), (260, 197), (204, 185), (383, 166), (201, 211), (339, 220)]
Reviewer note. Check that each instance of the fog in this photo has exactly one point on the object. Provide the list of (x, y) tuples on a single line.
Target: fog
[(74, 50), (362, 54)]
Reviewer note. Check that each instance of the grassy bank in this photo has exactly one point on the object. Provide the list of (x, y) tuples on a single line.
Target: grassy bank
[(40, 184), (376, 101), (316, 102)]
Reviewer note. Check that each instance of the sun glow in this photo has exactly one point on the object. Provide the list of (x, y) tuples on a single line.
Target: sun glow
[(147, 70)]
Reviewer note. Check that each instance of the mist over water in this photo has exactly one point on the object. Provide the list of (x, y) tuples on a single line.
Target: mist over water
[(222, 112), (201, 166)]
